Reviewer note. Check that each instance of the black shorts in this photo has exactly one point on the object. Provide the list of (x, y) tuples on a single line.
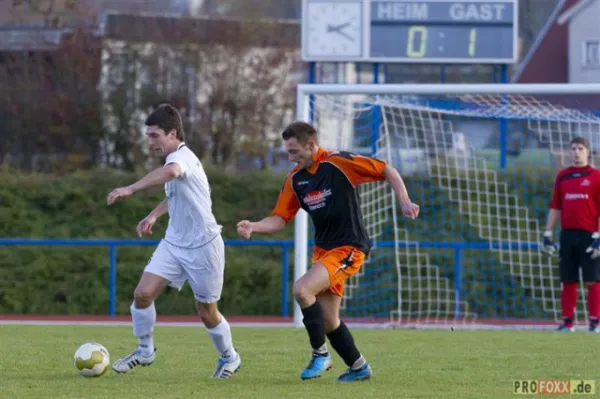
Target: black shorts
[(573, 244)]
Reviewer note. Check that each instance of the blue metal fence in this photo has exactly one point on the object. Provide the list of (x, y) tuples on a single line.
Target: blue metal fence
[(285, 245)]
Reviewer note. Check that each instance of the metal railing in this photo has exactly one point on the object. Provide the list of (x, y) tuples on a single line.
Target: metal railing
[(285, 245)]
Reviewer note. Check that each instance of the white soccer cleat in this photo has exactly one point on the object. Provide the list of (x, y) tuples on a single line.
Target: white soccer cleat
[(127, 363), (226, 368)]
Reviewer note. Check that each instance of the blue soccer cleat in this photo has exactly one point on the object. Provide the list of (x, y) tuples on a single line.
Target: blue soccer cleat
[(565, 328), (361, 374), (594, 327), (318, 364)]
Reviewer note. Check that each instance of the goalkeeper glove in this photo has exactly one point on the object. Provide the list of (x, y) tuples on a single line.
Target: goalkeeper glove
[(594, 249), (549, 246)]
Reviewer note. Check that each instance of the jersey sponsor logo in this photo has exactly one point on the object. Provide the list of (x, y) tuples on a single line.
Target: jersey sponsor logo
[(302, 183), (316, 199), (569, 196)]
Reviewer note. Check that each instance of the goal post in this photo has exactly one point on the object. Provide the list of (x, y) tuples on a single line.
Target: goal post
[(479, 159)]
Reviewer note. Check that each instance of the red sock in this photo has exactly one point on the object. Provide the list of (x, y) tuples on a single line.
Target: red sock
[(568, 301), (594, 300)]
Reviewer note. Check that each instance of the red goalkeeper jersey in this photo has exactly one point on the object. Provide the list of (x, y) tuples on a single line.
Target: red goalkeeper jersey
[(577, 196)]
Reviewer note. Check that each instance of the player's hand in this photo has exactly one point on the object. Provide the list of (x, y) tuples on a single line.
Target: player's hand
[(144, 227), (410, 210), (549, 246), (244, 229), (594, 249), (118, 194)]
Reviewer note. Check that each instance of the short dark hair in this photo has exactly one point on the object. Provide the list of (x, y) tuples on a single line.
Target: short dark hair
[(581, 140), (166, 117), (300, 131)]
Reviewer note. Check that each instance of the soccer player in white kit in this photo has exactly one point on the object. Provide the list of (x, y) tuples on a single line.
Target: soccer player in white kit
[(192, 249)]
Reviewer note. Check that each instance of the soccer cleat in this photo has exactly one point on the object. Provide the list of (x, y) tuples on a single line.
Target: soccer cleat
[(319, 363), (361, 374), (594, 327), (565, 328), (127, 363), (226, 368)]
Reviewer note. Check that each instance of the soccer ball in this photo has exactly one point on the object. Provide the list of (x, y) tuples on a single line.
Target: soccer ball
[(91, 359)]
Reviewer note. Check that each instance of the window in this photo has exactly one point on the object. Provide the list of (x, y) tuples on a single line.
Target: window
[(591, 53)]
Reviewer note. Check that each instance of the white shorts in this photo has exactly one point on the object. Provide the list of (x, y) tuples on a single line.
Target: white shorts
[(202, 267)]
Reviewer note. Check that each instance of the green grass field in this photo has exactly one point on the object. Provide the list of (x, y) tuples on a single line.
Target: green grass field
[(36, 362)]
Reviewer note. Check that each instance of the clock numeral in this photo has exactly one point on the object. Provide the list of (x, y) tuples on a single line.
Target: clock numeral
[(416, 45), (472, 42)]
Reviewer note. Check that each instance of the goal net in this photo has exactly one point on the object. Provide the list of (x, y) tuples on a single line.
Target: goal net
[(480, 160)]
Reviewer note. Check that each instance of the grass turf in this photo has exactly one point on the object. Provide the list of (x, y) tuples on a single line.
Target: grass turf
[(36, 362)]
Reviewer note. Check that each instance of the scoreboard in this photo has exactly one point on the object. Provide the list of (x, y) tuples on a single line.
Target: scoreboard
[(417, 31)]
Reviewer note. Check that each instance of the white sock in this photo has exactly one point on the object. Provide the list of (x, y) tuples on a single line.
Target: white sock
[(359, 363), (322, 350), (221, 336), (143, 327)]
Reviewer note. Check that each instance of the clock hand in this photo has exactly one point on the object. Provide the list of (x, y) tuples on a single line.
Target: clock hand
[(336, 28)]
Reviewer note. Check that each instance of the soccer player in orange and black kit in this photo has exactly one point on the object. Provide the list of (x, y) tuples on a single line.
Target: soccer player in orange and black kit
[(324, 184), (576, 202)]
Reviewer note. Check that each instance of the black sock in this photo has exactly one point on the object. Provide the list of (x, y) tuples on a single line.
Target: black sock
[(313, 321), (344, 345), (568, 322)]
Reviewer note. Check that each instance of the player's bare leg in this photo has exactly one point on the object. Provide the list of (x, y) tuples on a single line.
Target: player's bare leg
[(143, 314), (342, 341), (306, 288), (220, 332)]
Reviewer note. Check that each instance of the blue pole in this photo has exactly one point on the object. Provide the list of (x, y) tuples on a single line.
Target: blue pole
[(284, 279), (443, 73), (311, 98), (375, 73), (457, 280), (503, 126), (112, 280)]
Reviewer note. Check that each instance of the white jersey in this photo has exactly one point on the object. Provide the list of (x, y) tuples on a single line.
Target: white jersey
[(191, 221)]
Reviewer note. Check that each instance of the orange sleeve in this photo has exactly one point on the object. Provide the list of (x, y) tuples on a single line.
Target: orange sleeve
[(359, 169), (287, 204)]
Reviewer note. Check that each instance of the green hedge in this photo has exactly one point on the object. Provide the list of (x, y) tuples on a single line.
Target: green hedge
[(74, 279)]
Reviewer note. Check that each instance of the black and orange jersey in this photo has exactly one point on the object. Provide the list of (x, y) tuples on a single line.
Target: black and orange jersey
[(327, 191)]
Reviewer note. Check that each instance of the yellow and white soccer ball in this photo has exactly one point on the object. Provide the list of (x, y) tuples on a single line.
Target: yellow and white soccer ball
[(91, 359)]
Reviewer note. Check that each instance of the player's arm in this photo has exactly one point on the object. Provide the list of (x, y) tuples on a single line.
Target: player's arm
[(395, 180), (553, 217), (156, 177), (360, 169), (268, 225), (594, 249), (285, 209), (160, 210), (144, 227)]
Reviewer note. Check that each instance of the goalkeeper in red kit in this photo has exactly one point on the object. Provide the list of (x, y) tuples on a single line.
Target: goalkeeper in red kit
[(576, 202)]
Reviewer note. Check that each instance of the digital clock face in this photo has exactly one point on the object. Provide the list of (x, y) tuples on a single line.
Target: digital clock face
[(420, 31)]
